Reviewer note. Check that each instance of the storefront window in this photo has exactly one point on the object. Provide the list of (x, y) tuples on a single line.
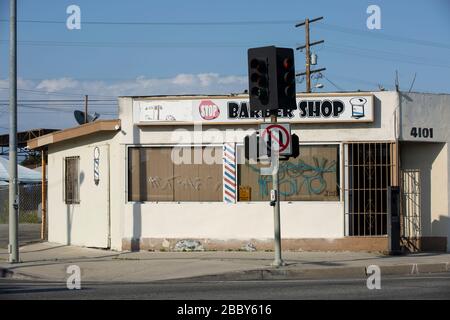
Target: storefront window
[(153, 176), (314, 175)]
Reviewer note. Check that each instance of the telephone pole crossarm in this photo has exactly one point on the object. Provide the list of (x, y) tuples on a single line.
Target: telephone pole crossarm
[(304, 22), (311, 44), (311, 72)]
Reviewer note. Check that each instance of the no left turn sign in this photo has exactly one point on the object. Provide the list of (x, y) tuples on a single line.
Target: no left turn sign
[(278, 135)]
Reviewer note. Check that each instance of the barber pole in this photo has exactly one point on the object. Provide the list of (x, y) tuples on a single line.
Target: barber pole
[(96, 165), (229, 173)]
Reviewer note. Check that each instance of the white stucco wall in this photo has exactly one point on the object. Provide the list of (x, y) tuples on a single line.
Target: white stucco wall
[(86, 223), (227, 221), (431, 154)]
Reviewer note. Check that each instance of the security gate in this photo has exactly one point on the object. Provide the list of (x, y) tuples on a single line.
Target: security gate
[(369, 168), (410, 208)]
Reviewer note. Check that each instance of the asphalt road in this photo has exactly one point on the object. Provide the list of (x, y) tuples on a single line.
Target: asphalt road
[(28, 232), (435, 286)]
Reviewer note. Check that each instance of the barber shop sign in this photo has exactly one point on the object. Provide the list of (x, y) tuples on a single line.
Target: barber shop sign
[(311, 108)]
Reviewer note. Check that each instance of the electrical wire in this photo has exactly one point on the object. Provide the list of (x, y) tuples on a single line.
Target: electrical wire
[(333, 84)]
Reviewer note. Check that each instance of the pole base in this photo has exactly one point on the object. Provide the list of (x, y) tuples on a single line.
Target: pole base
[(278, 263)]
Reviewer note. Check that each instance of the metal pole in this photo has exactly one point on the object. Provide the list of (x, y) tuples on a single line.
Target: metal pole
[(13, 247), (86, 108), (276, 209), (43, 196)]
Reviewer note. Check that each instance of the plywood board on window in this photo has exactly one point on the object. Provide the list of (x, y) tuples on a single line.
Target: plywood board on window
[(314, 175), (160, 174), (198, 182)]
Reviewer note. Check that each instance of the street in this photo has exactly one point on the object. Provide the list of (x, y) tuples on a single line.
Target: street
[(435, 286), (28, 233)]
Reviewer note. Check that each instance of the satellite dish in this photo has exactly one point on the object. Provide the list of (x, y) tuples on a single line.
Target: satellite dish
[(79, 116)]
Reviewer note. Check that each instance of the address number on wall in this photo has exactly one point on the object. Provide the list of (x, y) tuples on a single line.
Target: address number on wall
[(421, 132)]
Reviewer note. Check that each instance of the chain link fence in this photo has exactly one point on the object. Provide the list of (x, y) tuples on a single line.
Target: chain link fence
[(30, 203)]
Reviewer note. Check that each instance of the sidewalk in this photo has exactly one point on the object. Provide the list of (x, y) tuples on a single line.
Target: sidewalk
[(48, 261)]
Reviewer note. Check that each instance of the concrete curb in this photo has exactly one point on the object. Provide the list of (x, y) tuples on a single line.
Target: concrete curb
[(10, 274), (286, 273), (6, 273)]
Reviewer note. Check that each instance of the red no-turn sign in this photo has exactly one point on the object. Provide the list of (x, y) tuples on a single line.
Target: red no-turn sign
[(278, 135)]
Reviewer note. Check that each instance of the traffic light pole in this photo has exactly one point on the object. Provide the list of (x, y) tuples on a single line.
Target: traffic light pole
[(275, 159)]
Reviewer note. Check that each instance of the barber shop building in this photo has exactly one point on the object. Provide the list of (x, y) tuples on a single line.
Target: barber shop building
[(172, 168)]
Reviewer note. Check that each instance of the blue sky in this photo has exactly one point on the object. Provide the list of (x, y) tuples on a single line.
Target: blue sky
[(200, 47)]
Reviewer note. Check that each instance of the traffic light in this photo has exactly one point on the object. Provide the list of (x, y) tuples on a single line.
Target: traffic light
[(286, 78), (258, 76), (255, 148), (271, 79), (295, 146)]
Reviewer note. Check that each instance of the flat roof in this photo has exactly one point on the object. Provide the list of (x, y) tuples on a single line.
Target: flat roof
[(75, 132), (24, 136)]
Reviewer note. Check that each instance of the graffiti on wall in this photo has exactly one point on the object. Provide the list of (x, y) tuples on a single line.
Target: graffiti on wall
[(300, 177)]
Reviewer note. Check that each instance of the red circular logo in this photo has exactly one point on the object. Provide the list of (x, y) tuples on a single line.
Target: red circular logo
[(208, 110)]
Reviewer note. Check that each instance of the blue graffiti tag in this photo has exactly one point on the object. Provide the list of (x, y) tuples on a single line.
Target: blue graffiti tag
[(290, 173)]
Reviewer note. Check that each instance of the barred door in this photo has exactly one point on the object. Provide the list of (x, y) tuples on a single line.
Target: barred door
[(410, 206), (369, 169)]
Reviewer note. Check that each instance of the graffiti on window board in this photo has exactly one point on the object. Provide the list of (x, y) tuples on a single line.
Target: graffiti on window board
[(190, 182), (299, 177)]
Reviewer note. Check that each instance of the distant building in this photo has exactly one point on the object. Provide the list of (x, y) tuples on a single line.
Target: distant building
[(114, 184)]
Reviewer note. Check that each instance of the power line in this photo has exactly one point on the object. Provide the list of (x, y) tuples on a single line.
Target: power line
[(384, 52), (326, 26), (125, 45), (333, 84), (61, 100), (165, 23), (57, 94), (382, 36), (371, 56)]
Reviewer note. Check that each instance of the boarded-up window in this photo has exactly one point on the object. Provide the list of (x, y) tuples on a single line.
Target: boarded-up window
[(314, 175), (71, 180), (153, 176)]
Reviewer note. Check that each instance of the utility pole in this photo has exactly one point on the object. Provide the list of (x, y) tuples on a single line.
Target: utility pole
[(397, 85), (86, 109), (307, 47), (13, 247), (43, 195)]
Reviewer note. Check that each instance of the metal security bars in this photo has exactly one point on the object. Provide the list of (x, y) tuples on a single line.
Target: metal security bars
[(411, 223), (71, 180), (369, 169)]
